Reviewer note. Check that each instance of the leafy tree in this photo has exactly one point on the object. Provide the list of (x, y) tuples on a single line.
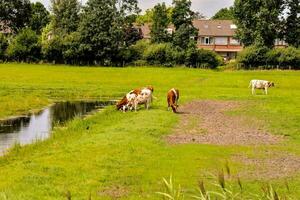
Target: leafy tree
[(160, 24), (198, 15), (65, 15), (39, 17), (182, 18), (148, 16), (25, 46), (292, 28), (224, 14), (258, 21), (102, 28), (15, 14), (3, 46)]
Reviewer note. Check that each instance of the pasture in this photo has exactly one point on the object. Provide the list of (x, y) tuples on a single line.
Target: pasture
[(126, 155)]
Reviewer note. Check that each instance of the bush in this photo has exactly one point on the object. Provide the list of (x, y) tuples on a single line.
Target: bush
[(3, 46), (201, 58), (139, 48), (253, 56), (284, 58), (159, 54), (25, 47), (70, 48), (53, 49)]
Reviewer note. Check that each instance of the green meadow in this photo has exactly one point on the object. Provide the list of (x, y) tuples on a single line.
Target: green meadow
[(124, 155)]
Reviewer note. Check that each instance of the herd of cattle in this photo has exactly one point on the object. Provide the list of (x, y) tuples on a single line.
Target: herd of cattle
[(145, 96)]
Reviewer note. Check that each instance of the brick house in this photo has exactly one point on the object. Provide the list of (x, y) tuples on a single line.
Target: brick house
[(215, 35)]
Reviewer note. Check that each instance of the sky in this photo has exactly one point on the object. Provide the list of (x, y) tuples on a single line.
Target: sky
[(206, 7)]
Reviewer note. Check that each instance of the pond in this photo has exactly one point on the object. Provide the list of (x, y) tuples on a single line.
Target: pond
[(27, 129)]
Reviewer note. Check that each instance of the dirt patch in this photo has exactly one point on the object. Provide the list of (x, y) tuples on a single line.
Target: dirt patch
[(272, 165), (114, 192), (205, 122)]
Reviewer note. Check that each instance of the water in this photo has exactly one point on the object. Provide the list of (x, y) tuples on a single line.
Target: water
[(27, 129)]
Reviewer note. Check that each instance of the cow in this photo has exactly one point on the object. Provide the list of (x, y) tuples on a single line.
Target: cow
[(136, 97), (260, 84), (172, 99)]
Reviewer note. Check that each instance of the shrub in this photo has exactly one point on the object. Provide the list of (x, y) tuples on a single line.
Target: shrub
[(284, 57), (253, 56), (3, 46), (53, 49), (140, 48), (70, 48), (25, 46), (161, 54), (201, 58)]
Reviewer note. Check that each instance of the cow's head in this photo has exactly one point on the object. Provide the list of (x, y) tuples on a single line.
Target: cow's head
[(271, 84), (150, 88)]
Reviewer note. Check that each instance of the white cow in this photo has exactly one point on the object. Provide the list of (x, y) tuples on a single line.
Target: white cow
[(260, 84), (144, 97)]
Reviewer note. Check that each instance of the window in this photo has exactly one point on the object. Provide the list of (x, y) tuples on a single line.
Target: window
[(221, 41), (206, 40), (233, 26)]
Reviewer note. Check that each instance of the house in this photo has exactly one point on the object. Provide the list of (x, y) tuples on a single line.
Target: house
[(215, 35), (218, 36)]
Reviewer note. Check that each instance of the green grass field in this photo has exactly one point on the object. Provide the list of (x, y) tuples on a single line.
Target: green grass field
[(123, 155)]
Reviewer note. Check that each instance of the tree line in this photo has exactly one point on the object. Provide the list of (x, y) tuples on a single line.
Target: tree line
[(104, 32)]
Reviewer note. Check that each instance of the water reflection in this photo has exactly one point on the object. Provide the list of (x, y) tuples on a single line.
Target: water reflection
[(27, 129)]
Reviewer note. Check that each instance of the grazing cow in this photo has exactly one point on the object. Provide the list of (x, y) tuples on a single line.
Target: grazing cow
[(136, 97), (172, 99), (260, 84)]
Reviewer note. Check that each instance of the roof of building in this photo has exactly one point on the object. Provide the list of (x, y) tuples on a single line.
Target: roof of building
[(215, 27), (205, 27)]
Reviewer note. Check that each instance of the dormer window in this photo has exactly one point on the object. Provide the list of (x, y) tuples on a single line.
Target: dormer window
[(233, 26), (219, 26)]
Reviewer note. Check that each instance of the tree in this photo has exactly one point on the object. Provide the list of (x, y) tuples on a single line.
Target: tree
[(258, 21), (65, 15), (25, 46), (224, 14), (160, 24), (39, 17), (102, 28), (15, 14), (148, 16), (292, 25), (182, 18)]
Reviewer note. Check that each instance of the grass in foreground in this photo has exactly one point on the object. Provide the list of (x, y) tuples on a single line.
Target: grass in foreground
[(123, 155)]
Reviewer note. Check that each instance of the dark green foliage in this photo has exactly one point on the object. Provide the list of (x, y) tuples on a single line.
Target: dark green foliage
[(25, 47), (53, 50), (292, 26), (182, 18), (258, 21), (39, 17), (224, 14), (284, 58), (160, 24), (3, 46), (253, 56), (201, 58), (159, 54), (15, 14), (65, 15)]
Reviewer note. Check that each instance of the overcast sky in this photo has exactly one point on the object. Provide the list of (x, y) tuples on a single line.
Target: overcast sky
[(206, 7)]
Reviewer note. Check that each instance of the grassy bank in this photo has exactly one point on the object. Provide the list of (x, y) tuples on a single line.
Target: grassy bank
[(124, 155)]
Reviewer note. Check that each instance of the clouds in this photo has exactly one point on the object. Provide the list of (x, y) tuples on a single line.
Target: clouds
[(206, 7)]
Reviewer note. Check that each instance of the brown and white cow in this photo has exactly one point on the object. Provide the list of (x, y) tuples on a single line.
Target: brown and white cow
[(136, 97), (172, 99), (260, 84)]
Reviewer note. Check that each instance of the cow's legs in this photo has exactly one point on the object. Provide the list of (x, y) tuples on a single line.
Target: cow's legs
[(266, 91), (253, 90)]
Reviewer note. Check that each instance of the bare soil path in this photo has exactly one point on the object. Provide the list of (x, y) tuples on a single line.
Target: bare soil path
[(206, 122)]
